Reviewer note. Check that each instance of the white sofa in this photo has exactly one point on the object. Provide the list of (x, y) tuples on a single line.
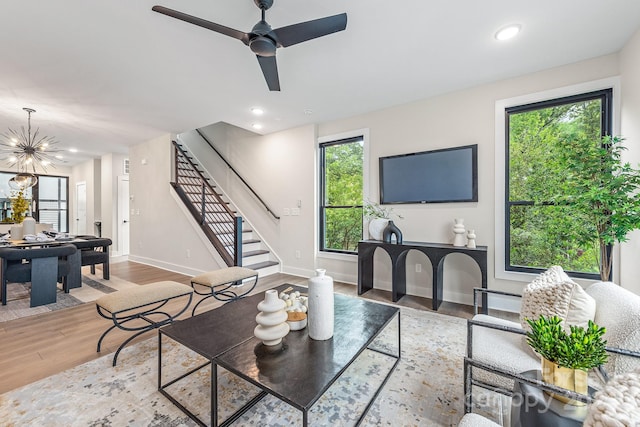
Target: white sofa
[(497, 351)]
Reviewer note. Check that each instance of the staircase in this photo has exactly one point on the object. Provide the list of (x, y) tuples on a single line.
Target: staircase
[(233, 239)]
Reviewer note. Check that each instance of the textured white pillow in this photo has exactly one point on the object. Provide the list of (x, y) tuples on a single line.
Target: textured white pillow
[(619, 312), (554, 293)]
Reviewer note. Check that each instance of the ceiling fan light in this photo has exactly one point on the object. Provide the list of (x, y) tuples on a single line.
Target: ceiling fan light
[(263, 46), (508, 32)]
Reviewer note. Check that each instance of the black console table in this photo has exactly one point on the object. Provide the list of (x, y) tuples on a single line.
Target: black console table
[(436, 252)]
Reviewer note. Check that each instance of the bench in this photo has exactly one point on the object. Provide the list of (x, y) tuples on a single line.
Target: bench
[(222, 284), (142, 303)]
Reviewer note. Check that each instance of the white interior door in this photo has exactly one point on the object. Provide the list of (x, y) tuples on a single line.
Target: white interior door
[(123, 215), (81, 208)]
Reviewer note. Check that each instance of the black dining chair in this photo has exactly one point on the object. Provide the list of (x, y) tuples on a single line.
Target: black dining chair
[(43, 267), (94, 250)]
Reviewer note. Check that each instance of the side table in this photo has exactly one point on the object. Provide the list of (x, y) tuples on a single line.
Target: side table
[(532, 407)]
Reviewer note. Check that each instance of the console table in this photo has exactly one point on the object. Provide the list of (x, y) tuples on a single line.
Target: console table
[(436, 252)]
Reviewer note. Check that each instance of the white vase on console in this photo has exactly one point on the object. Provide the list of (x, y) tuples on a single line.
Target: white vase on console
[(376, 228), (459, 232)]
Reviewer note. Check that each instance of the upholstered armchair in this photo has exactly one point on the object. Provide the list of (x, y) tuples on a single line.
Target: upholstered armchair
[(497, 352), (43, 267), (94, 250)]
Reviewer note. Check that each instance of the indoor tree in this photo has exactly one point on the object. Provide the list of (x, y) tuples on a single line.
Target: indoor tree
[(601, 188)]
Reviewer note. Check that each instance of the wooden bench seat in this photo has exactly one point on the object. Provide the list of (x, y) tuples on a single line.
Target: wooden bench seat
[(223, 284), (143, 303)]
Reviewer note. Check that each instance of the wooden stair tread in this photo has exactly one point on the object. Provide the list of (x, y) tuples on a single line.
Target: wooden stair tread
[(254, 253), (260, 265)]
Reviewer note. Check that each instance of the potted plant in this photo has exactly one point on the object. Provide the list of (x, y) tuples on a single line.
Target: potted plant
[(378, 218), (19, 207), (604, 190), (567, 356)]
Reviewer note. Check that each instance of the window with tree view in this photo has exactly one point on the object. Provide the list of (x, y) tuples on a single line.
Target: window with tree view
[(540, 232), (341, 194)]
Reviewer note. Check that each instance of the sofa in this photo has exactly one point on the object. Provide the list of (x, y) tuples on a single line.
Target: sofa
[(497, 352)]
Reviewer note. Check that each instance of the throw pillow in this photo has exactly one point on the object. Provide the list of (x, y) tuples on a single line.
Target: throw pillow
[(554, 293)]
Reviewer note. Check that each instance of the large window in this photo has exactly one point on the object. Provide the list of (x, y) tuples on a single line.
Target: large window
[(51, 200), (538, 232), (341, 194)]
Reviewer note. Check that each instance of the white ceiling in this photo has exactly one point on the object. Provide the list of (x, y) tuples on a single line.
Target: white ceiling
[(105, 75)]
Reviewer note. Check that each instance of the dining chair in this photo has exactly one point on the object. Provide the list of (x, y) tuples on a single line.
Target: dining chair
[(94, 250), (42, 266)]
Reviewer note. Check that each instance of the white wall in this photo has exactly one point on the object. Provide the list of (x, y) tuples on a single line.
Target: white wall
[(630, 70), (161, 233), (112, 167), (282, 166), (88, 172)]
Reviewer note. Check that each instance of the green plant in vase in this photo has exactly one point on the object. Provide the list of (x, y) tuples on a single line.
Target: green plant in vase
[(19, 207), (567, 356)]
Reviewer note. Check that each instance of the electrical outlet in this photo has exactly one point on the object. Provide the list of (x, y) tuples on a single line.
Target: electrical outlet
[(298, 254), (418, 268)]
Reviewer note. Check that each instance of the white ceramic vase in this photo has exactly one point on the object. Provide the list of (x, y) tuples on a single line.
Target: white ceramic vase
[(459, 232), (28, 225), (272, 319), (376, 228), (320, 314)]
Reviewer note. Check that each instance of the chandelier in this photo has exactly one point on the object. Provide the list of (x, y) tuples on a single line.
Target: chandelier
[(27, 151)]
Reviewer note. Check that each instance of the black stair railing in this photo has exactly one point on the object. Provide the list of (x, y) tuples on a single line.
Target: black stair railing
[(203, 136), (219, 223)]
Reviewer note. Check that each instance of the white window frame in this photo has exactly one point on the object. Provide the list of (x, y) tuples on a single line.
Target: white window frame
[(500, 123)]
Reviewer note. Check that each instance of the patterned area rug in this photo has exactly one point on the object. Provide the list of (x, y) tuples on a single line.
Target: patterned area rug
[(93, 287), (425, 390)]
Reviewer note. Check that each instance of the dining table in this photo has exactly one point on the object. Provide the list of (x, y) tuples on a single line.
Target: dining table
[(74, 278)]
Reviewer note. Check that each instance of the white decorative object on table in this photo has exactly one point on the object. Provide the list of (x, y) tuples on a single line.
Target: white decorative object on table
[(471, 239), (16, 232), (272, 319), (376, 228), (28, 225), (459, 231), (320, 315)]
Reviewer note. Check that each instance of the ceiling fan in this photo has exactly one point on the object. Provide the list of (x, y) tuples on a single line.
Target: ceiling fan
[(262, 40)]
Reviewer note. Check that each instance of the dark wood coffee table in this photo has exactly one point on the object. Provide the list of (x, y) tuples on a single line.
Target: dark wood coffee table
[(224, 336)]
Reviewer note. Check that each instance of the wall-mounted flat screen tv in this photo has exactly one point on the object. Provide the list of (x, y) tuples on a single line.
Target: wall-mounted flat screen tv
[(438, 176)]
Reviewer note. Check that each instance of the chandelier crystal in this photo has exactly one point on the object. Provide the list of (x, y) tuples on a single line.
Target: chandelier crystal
[(27, 151)]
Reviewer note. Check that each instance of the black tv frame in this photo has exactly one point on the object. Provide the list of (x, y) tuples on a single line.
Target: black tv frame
[(474, 177)]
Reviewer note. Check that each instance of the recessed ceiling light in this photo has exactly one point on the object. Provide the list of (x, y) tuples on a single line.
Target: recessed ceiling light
[(256, 126), (59, 156), (73, 150), (508, 32), (257, 111)]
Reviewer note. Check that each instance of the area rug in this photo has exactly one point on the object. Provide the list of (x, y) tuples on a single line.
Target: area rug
[(93, 287), (425, 390)]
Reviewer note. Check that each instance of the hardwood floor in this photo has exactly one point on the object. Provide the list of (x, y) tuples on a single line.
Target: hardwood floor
[(36, 347)]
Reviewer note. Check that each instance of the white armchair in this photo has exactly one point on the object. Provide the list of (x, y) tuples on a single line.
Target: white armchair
[(497, 352)]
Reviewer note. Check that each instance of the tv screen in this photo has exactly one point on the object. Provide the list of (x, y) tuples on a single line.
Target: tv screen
[(438, 176)]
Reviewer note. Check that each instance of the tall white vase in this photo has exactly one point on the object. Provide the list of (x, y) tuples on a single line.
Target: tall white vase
[(320, 314), (272, 319), (459, 232), (28, 225)]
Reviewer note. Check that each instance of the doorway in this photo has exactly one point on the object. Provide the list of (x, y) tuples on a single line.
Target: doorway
[(123, 215), (81, 208)]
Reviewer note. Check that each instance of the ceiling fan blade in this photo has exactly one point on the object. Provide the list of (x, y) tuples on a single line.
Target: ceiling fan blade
[(243, 37), (270, 71), (298, 33)]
